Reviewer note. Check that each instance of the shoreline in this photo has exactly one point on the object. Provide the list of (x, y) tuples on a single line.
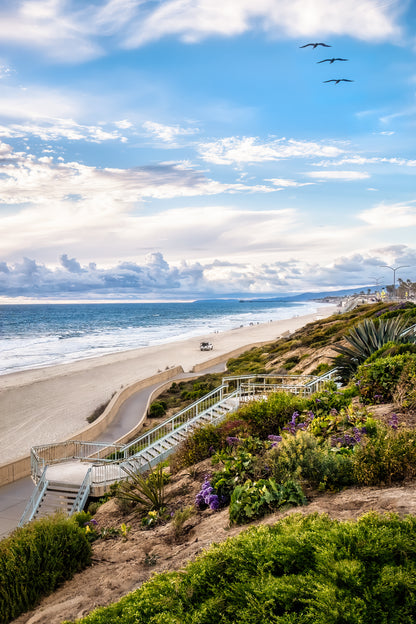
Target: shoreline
[(51, 404)]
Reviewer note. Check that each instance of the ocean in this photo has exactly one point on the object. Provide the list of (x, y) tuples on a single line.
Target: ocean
[(36, 335)]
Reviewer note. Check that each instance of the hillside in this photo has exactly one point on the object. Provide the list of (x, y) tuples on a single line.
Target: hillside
[(121, 563)]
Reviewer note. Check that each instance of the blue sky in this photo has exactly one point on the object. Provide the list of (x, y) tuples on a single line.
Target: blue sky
[(181, 148)]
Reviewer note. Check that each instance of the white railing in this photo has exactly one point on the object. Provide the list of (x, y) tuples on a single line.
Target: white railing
[(48, 454), (83, 493), (34, 500), (107, 472), (279, 381), (177, 420)]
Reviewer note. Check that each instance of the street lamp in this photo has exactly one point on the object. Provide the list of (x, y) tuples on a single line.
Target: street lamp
[(394, 269)]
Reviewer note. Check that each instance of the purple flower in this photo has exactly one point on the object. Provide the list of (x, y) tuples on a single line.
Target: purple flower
[(214, 502), (202, 498), (232, 441), (394, 421), (275, 439), (92, 522)]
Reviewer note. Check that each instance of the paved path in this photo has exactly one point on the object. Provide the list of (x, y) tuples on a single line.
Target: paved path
[(14, 496)]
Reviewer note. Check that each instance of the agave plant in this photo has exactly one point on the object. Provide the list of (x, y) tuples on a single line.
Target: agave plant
[(368, 337), (146, 492)]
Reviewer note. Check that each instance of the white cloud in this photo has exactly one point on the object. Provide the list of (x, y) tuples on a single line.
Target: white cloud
[(193, 21), (368, 160), (391, 215), (5, 71), (236, 150), (26, 179), (283, 183), (123, 124), (347, 176), (155, 276), (165, 133), (69, 31), (51, 26), (55, 129)]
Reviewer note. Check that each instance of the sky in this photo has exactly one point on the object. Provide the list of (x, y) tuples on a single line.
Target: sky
[(180, 149)]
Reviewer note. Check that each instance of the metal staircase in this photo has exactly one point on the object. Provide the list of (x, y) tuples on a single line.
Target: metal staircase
[(100, 465), (57, 497)]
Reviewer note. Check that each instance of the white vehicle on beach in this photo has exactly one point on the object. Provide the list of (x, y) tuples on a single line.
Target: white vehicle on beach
[(206, 346)]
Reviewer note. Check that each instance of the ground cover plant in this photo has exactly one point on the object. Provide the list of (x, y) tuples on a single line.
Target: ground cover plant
[(36, 559), (304, 569)]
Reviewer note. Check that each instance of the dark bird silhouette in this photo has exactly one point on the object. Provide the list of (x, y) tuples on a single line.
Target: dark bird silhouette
[(338, 80), (314, 45), (332, 60)]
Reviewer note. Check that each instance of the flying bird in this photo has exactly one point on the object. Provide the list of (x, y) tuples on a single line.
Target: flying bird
[(338, 80), (314, 45), (332, 60)]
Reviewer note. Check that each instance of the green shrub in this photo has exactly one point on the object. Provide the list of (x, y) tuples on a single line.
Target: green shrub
[(377, 381), (321, 369), (269, 416), (239, 465), (387, 457), (157, 409), (253, 500), (197, 446), (330, 398), (404, 394), (251, 361), (303, 570), (302, 457), (391, 349), (365, 339), (36, 559)]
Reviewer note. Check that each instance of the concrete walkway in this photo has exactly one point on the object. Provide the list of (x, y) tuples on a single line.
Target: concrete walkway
[(14, 496)]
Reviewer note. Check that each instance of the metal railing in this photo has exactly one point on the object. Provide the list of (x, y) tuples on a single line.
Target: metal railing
[(48, 454), (255, 385), (177, 420), (108, 472), (279, 381), (83, 493), (34, 500)]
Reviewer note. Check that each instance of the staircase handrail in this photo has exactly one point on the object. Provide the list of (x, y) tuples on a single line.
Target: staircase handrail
[(34, 501), (104, 470), (83, 493), (184, 416), (47, 454), (321, 379), (241, 379)]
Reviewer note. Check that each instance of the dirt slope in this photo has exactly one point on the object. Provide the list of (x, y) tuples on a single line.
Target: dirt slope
[(120, 566)]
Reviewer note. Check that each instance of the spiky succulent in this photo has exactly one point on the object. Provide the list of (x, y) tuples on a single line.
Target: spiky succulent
[(366, 338)]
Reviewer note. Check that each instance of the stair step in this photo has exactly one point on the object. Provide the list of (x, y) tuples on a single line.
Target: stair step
[(63, 490)]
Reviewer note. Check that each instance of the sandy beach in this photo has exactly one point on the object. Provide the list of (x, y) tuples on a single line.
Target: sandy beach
[(51, 404)]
